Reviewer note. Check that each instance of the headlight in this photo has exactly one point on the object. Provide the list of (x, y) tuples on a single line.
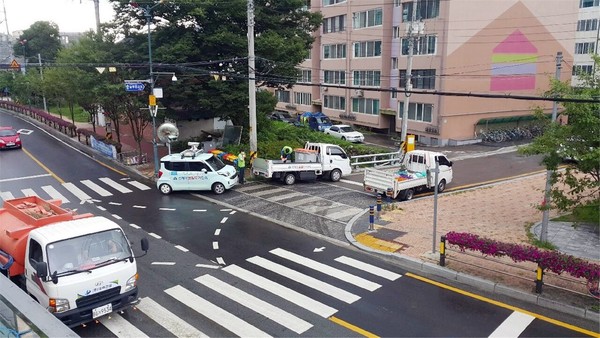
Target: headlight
[(2, 141), (58, 305), (18, 140), (131, 283)]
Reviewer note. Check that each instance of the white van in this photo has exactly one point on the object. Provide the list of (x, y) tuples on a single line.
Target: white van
[(194, 170)]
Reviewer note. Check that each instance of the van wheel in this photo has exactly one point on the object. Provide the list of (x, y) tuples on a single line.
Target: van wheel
[(441, 185), (407, 195), (165, 189), (218, 188), (289, 179), (343, 138), (335, 175)]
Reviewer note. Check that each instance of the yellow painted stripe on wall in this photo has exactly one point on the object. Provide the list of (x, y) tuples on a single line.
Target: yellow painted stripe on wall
[(514, 58)]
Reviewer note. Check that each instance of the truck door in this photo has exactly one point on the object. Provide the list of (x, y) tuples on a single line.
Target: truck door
[(445, 166), (32, 282), (177, 175), (336, 158)]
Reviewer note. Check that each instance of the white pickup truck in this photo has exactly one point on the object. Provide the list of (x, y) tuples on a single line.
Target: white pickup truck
[(312, 161), (415, 174)]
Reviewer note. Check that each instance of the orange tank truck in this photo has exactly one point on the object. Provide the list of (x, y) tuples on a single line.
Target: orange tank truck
[(79, 267)]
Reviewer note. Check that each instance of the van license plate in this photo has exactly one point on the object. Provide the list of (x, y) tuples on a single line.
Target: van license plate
[(101, 310)]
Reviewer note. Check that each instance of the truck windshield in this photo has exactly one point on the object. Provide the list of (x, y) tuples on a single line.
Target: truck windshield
[(86, 252), (215, 163), (323, 120)]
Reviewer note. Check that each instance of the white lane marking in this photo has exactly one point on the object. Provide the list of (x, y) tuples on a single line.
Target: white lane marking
[(101, 208), (377, 271), (308, 200), (285, 196), (162, 263), (29, 192), (230, 322), (251, 187), (6, 195), (351, 182), (76, 191), (24, 178), (115, 185), (284, 292), (121, 327), (165, 318), (135, 226), (25, 131), (208, 266), (220, 260), (217, 232), (224, 220), (199, 210), (269, 191), (98, 189), (116, 216), (347, 212), (309, 281), (154, 235), (216, 245), (233, 212), (257, 305), (225, 210), (326, 269), (513, 326), (181, 248), (54, 193), (140, 206), (167, 209), (115, 203), (139, 185), (97, 201)]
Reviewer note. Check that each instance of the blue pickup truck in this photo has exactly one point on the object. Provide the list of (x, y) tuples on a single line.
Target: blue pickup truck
[(315, 120)]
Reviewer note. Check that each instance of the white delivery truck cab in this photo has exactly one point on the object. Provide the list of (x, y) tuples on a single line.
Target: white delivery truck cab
[(193, 169)]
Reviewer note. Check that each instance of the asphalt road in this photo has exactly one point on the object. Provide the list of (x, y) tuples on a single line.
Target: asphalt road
[(215, 270)]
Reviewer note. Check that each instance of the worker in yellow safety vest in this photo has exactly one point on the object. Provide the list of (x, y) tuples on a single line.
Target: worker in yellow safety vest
[(286, 152)]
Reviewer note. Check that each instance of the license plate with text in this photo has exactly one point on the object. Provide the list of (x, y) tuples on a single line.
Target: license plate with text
[(102, 310)]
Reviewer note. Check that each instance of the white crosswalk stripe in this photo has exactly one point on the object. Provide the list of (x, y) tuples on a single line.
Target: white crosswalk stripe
[(53, 193), (98, 189), (76, 191), (215, 313), (121, 327), (6, 195), (273, 313), (513, 326), (309, 281), (139, 185), (326, 269), (167, 319), (368, 268), (29, 192), (115, 185)]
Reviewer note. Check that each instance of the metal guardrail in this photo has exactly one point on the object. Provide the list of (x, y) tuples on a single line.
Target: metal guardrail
[(376, 160)]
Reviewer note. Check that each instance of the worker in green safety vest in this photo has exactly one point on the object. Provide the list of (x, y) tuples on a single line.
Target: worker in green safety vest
[(241, 163)]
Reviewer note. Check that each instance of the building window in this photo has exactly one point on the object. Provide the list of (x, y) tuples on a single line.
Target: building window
[(334, 24), (583, 69), (303, 99), (587, 25), (332, 2), (396, 32), (394, 63), (334, 102), (584, 48), (367, 49), (282, 95), (334, 77), (426, 9), (304, 76), (420, 112), (588, 3), (334, 51), (397, 3), (421, 78), (370, 18), (425, 45), (394, 93), (371, 78), (365, 106)]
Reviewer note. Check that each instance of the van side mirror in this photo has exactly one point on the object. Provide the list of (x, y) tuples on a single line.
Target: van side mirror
[(203, 171), (41, 268), (145, 244)]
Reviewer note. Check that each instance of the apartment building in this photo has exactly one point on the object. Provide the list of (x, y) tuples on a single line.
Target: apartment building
[(356, 72), (587, 39)]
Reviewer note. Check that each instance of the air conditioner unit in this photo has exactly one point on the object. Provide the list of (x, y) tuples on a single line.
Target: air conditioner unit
[(359, 93), (325, 89)]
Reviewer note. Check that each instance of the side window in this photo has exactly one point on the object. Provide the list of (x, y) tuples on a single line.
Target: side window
[(442, 160), (421, 160), (35, 251), (198, 166), (334, 129), (336, 151), (175, 166)]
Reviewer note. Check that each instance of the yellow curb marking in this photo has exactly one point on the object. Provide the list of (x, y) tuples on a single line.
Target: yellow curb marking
[(503, 305), (377, 243), (353, 327), (43, 166)]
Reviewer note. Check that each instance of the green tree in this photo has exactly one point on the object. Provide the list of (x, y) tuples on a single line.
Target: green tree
[(43, 38), (579, 139)]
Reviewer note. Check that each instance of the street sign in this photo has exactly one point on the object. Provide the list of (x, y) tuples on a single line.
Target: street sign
[(134, 86), (151, 100)]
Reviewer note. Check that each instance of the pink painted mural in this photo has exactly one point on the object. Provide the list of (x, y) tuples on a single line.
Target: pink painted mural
[(514, 64)]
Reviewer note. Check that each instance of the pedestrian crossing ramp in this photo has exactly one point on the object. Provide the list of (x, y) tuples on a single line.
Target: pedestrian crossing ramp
[(78, 192), (279, 294)]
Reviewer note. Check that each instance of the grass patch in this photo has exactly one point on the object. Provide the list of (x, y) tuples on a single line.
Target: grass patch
[(589, 214), (79, 114), (535, 241)]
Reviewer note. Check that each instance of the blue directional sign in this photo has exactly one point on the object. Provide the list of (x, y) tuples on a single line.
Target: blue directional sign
[(134, 86)]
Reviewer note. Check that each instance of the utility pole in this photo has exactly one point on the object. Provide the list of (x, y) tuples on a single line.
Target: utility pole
[(97, 9), (549, 173), (414, 30), (42, 77), (251, 80)]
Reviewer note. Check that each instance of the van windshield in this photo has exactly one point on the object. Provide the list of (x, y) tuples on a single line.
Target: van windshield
[(323, 120), (215, 163)]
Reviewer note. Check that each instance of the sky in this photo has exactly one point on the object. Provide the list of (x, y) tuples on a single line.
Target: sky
[(69, 15)]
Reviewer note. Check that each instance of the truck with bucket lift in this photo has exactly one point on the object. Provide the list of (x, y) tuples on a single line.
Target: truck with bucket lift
[(79, 267)]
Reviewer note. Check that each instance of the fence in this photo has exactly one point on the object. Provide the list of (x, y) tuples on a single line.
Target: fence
[(132, 158), (375, 160)]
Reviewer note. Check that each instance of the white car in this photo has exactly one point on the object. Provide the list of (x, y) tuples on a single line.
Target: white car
[(345, 132)]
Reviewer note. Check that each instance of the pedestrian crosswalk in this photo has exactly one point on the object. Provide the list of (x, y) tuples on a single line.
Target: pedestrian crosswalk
[(77, 192), (302, 201), (282, 304)]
